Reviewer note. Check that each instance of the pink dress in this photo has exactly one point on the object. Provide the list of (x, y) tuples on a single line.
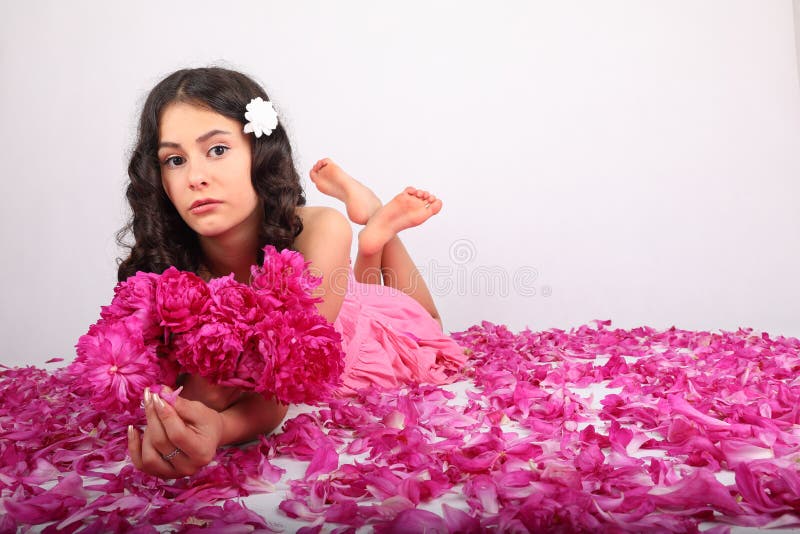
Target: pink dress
[(389, 340)]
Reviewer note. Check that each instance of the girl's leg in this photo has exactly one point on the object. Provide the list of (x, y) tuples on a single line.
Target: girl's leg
[(394, 266), (401, 273), (379, 237), (381, 254)]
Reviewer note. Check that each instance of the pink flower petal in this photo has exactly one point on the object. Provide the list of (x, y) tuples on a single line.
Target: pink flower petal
[(325, 460), (415, 520)]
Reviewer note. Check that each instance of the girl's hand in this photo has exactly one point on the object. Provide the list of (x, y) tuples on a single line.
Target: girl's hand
[(190, 427)]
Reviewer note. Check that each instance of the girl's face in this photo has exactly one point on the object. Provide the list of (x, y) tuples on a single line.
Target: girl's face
[(205, 161)]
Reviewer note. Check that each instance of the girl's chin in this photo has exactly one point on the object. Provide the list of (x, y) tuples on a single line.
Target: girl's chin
[(211, 228), (209, 232)]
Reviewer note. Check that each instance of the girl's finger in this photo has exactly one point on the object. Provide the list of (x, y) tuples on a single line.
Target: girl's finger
[(181, 422), (174, 427), (156, 434), (183, 457), (157, 444), (135, 447), (182, 465), (145, 458), (154, 463)]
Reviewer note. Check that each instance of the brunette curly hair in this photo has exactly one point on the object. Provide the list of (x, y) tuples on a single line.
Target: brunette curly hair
[(161, 237)]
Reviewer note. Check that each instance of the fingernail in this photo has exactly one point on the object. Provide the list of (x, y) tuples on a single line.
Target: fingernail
[(158, 401), (147, 396), (130, 432)]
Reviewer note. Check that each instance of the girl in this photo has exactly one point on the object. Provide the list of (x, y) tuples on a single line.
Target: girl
[(210, 187)]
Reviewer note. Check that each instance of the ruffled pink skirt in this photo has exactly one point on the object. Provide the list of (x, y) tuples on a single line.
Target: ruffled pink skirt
[(390, 340)]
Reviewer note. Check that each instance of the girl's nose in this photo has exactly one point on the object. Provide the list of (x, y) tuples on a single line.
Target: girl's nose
[(199, 183), (197, 179)]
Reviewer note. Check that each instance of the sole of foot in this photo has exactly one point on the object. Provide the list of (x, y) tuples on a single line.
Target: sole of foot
[(359, 200), (410, 208)]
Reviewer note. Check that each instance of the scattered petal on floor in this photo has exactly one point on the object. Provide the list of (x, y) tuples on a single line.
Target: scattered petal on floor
[(592, 429)]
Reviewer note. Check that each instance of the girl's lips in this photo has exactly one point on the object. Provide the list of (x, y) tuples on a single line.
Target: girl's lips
[(203, 208)]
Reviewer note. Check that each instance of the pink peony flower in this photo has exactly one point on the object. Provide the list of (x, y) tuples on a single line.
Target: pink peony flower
[(181, 298), (283, 281), (211, 350), (234, 301), (304, 356), (268, 338), (136, 298), (116, 364)]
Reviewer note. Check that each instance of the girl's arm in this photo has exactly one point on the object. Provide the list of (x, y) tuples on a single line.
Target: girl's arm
[(244, 415), (325, 242), (251, 416)]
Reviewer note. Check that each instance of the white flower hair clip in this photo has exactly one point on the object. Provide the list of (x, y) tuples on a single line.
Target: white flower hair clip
[(262, 117)]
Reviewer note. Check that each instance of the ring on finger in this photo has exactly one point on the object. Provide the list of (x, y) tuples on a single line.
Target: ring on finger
[(173, 454)]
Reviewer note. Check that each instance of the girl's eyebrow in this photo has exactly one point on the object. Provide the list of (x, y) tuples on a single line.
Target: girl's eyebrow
[(199, 140)]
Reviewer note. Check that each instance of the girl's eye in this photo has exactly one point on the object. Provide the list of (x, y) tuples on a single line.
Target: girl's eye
[(223, 147), (168, 161), (218, 150)]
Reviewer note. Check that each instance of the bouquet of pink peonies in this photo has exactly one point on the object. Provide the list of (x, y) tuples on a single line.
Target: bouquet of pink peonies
[(267, 337)]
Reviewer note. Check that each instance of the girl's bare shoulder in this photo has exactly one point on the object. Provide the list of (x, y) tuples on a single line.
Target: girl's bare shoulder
[(310, 215), (318, 223), (307, 213)]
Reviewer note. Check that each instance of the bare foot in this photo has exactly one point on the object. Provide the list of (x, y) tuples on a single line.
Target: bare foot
[(410, 208), (330, 179)]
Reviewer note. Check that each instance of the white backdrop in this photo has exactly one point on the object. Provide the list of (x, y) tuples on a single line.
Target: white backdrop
[(628, 160)]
